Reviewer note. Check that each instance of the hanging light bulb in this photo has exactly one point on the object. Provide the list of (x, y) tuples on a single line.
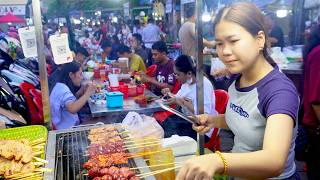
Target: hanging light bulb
[(283, 10), (206, 17), (282, 13)]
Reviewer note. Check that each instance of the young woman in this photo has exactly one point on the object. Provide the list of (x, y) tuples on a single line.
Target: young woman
[(64, 101), (262, 109), (186, 98)]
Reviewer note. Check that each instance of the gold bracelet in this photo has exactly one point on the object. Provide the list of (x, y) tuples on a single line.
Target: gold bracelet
[(225, 164)]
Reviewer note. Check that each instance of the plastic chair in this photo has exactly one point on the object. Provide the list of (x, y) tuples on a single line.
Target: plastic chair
[(34, 111), (222, 99), (151, 70), (38, 102)]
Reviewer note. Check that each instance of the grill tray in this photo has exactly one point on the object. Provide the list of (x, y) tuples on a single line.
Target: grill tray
[(66, 153)]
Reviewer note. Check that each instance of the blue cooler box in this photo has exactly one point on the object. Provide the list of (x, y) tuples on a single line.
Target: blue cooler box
[(114, 99)]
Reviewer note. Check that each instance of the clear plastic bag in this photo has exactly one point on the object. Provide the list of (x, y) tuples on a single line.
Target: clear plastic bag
[(142, 126)]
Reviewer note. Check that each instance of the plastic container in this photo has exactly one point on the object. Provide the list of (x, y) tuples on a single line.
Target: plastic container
[(113, 89), (132, 91), (124, 89), (140, 89), (113, 79), (114, 99)]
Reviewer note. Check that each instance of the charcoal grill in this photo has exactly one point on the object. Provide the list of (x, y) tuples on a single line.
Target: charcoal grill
[(66, 153)]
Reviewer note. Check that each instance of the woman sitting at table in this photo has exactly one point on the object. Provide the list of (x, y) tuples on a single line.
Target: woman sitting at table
[(185, 72), (136, 63), (64, 101)]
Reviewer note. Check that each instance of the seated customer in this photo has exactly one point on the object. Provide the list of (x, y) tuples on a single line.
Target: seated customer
[(107, 49), (186, 98), (164, 76), (82, 56), (135, 61), (136, 44), (65, 102)]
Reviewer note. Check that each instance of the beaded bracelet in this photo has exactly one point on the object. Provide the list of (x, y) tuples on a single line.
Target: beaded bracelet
[(225, 164)]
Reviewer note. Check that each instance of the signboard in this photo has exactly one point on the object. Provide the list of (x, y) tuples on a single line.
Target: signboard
[(186, 1), (126, 9), (60, 48), (169, 6), (16, 10), (28, 41)]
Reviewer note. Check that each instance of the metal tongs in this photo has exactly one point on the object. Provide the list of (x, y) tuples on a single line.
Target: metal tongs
[(193, 120)]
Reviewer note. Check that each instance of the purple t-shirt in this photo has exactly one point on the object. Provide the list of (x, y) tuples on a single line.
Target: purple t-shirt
[(248, 109), (60, 116), (164, 74)]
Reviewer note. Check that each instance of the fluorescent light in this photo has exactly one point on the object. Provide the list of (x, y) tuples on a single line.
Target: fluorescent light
[(282, 13)]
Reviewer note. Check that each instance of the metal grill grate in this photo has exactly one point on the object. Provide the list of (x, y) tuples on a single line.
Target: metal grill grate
[(71, 154)]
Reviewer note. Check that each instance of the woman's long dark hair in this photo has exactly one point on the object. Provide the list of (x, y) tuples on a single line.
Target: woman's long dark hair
[(64, 77), (185, 64), (312, 42)]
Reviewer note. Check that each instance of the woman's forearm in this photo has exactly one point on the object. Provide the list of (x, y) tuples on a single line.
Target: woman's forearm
[(219, 121), (75, 106), (258, 165)]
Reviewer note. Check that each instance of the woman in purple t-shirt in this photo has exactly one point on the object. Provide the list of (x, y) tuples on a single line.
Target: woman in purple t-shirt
[(262, 108)]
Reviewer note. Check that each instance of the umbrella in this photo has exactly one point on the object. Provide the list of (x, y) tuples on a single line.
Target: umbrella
[(11, 18)]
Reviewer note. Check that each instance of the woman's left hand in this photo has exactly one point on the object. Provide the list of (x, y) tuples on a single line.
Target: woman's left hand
[(199, 168)]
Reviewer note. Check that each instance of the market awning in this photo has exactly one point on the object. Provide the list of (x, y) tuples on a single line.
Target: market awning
[(11, 18)]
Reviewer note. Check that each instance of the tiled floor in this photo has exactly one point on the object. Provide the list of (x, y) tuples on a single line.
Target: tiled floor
[(227, 143)]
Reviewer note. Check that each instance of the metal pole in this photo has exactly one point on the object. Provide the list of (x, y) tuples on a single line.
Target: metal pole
[(42, 63), (181, 12), (199, 60)]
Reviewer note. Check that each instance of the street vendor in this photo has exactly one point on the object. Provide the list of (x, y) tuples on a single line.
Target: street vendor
[(65, 102), (262, 110)]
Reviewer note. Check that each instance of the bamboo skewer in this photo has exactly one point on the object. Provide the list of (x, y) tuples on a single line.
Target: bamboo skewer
[(157, 172), (23, 175), (145, 153), (37, 153), (37, 141), (143, 146), (41, 160), (158, 165)]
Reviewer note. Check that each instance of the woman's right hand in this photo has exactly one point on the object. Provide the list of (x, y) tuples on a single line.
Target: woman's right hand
[(165, 91), (206, 122), (91, 88)]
